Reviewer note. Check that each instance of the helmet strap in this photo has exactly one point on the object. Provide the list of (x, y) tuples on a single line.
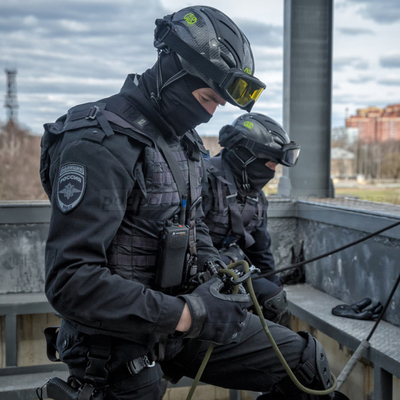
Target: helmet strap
[(245, 178), (157, 97)]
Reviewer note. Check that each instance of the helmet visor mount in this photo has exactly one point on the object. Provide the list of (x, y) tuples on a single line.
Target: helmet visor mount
[(236, 86)]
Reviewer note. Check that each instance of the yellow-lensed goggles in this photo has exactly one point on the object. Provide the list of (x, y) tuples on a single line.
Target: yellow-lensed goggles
[(242, 88)]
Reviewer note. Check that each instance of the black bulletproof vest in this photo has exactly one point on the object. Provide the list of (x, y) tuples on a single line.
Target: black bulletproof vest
[(231, 217), (133, 252)]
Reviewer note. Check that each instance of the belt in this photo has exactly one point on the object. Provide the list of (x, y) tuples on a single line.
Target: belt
[(130, 368)]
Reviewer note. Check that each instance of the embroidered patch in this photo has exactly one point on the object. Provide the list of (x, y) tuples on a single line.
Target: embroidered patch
[(141, 122), (71, 186)]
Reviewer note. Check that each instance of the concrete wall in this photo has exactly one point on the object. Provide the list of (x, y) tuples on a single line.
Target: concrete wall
[(23, 233), (22, 257), (368, 269)]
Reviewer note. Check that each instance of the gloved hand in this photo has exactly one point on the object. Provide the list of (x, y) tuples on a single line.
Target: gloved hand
[(364, 309), (232, 254), (216, 316)]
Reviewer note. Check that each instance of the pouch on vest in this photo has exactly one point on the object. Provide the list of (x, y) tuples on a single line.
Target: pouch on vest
[(172, 256)]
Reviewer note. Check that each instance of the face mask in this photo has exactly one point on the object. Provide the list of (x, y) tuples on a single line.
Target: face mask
[(259, 174), (256, 174), (177, 105), (181, 109)]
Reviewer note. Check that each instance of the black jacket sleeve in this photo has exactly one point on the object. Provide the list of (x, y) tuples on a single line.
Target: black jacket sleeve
[(205, 248), (260, 252), (78, 284)]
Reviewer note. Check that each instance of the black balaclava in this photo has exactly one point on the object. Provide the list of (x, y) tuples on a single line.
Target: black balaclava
[(250, 177), (170, 89)]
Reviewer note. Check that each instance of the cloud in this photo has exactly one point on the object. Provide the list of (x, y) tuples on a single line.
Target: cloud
[(392, 61), (361, 79), (389, 81), (74, 52), (262, 34), (340, 63), (355, 31), (382, 12), (267, 61)]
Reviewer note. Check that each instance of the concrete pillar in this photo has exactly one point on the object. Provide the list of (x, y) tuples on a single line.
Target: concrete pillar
[(307, 92)]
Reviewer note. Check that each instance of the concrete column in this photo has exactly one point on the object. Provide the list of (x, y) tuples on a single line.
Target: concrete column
[(307, 92)]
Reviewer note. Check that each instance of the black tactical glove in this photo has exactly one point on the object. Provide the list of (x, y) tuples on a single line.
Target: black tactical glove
[(364, 309), (232, 254), (216, 316)]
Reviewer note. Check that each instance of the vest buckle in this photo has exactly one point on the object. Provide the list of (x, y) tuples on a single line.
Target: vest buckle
[(92, 113)]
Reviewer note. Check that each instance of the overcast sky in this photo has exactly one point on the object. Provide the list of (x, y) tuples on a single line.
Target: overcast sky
[(74, 51)]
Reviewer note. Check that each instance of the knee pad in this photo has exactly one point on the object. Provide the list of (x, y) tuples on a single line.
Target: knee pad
[(275, 308), (315, 369), (313, 372)]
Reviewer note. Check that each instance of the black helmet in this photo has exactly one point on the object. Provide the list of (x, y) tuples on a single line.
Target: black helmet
[(261, 137), (211, 47)]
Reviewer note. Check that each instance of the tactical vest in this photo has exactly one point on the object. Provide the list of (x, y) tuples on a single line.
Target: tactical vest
[(231, 217), (155, 199), (134, 250)]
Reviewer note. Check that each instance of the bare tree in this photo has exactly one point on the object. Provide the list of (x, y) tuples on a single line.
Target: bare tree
[(19, 164)]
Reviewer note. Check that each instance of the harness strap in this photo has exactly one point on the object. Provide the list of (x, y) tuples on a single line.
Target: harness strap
[(237, 219), (194, 201), (98, 356)]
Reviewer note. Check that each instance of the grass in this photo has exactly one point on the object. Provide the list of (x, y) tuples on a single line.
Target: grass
[(381, 195), (378, 193)]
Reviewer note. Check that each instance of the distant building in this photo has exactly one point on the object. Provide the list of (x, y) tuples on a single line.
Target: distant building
[(345, 135), (376, 124), (342, 163)]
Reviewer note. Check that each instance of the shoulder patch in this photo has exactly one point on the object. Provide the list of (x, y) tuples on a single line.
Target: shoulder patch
[(71, 186)]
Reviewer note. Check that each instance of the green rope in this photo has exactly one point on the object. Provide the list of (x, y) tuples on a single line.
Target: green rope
[(200, 371), (275, 346), (269, 336)]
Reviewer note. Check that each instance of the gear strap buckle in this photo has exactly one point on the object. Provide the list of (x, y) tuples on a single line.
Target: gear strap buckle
[(92, 113), (96, 373), (138, 364)]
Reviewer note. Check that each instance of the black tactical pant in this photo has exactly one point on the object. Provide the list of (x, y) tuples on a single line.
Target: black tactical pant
[(250, 364)]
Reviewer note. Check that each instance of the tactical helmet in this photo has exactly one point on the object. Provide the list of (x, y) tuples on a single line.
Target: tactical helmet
[(262, 137), (211, 47)]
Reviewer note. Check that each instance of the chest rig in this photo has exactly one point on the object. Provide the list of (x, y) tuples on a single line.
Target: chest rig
[(231, 218), (156, 243)]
